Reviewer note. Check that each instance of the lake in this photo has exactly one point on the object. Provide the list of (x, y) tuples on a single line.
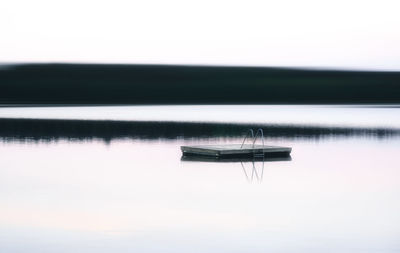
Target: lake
[(112, 178)]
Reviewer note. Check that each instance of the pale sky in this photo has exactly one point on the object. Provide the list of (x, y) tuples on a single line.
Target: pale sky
[(313, 33)]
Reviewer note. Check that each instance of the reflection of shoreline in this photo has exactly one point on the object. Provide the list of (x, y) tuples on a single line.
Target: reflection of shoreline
[(78, 130)]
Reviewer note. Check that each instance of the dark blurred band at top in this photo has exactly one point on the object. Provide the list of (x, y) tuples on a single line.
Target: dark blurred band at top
[(169, 84)]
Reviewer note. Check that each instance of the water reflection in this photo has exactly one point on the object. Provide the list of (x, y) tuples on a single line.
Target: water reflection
[(253, 167), (83, 130), (336, 195), (255, 174)]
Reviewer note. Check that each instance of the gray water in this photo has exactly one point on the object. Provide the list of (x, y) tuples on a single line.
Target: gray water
[(102, 192)]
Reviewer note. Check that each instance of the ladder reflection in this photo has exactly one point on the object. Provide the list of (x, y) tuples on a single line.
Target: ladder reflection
[(253, 167)]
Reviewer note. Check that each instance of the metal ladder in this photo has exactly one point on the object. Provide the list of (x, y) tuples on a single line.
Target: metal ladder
[(259, 133)]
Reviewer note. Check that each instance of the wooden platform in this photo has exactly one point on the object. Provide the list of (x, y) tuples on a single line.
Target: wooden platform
[(235, 150)]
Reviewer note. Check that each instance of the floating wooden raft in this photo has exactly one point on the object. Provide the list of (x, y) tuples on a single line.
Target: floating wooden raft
[(191, 157), (236, 150)]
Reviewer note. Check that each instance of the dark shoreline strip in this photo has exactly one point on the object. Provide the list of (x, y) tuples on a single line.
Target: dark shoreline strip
[(83, 130)]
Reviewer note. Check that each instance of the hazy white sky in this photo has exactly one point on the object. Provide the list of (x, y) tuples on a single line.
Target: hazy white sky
[(312, 33)]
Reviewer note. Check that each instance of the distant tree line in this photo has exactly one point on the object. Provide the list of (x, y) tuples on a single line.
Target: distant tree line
[(164, 84)]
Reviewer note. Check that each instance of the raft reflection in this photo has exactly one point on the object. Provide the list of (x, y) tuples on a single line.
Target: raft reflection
[(253, 167)]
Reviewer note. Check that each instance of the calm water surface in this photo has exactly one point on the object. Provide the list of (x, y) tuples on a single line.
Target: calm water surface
[(100, 191)]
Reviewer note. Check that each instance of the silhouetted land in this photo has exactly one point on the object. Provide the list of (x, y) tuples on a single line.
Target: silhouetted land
[(83, 130), (157, 84)]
